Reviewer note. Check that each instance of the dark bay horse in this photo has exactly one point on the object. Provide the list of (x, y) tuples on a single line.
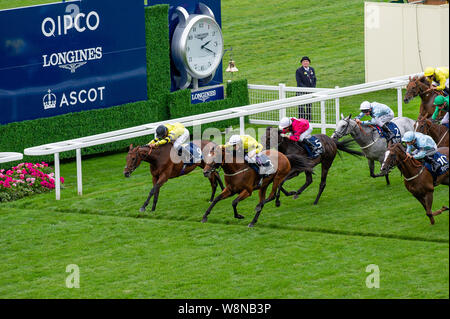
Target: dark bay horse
[(243, 180), (288, 147), (418, 180), (439, 133), (419, 86), (163, 168)]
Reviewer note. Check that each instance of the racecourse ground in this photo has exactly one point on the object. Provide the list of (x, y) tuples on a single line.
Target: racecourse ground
[(295, 251)]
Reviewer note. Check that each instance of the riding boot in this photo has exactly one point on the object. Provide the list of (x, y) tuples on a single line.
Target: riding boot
[(387, 131), (312, 148)]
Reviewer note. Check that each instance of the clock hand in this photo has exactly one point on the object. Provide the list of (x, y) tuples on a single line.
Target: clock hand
[(210, 51), (205, 44)]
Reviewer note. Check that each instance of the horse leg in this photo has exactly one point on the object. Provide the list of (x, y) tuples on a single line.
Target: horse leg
[(225, 193), (439, 211), (156, 195), (307, 183), (291, 175), (219, 180), (323, 182), (243, 195), (259, 207), (213, 181), (427, 202), (155, 189)]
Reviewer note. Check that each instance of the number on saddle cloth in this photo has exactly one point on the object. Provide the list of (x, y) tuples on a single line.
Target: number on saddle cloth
[(397, 136), (190, 153), (313, 147), (437, 164), (266, 167)]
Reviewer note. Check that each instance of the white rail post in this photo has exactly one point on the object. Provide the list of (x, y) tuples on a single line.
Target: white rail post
[(79, 173), (282, 95), (399, 102), (323, 120), (57, 176), (242, 125), (337, 107)]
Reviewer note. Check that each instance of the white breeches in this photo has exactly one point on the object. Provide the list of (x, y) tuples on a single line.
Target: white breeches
[(445, 119), (183, 138), (383, 119), (306, 134)]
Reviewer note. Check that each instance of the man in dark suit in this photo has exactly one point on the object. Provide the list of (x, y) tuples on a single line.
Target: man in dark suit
[(306, 77)]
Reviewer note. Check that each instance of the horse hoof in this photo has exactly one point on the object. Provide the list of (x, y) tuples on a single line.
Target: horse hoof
[(142, 209), (239, 216), (251, 225), (296, 196), (277, 204), (204, 220)]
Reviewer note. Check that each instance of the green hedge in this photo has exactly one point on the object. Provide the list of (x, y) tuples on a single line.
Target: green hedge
[(161, 105)]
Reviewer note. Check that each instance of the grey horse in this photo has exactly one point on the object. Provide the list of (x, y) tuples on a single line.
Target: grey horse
[(372, 145)]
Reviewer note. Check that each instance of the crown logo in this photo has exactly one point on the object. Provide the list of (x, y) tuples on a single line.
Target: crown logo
[(49, 100)]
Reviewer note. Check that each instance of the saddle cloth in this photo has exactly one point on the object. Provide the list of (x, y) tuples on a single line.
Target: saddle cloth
[(439, 166), (394, 129), (319, 147), (266, 168), (195, 154)]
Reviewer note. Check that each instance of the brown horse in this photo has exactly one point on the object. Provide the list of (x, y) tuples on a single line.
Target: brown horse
[(243, 180), (419, 86), (273, 138), (163, 168), (418, 180), (438, 132)]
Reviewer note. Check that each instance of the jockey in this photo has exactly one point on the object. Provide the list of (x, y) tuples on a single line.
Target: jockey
[(175, 133), (441, 103), (381, 115), (252, 150), (438, 75), (420, 146), (298, 130)]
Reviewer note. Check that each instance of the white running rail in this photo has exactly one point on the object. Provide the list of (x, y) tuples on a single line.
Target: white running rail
[(6, 157), (199, 119)]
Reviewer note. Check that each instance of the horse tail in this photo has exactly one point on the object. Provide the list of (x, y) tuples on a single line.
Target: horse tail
[(300, 163), (344, 145)]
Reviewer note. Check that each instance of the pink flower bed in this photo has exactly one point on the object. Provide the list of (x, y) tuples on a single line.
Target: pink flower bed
[(26, 179)]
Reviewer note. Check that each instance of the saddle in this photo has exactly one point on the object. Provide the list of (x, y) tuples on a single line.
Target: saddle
[(394, 130), (265, 169)]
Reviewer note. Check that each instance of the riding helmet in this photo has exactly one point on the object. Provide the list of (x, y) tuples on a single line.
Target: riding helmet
[(439, 100), (429, 71), (161, 131), (409, 136), (365, 106), (234, 140), (285, 122)]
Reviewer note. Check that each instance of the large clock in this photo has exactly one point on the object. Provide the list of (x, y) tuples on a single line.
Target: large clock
[(197, 46)]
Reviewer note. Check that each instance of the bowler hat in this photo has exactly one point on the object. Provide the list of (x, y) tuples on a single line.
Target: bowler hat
[(305, 58)]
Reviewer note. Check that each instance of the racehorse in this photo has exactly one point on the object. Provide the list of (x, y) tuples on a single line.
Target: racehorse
[(162, 168), (420, 86), (418, 180), (287, 147), (372, 145), (241, 179), (439, 133)]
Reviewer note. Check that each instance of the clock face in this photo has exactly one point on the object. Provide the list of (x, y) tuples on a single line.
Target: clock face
[(204, 47)]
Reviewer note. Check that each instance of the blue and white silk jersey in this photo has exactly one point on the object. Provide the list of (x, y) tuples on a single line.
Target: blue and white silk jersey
[(377, 110), (421, 146)]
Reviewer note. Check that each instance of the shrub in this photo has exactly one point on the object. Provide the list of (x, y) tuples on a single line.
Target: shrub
[(26, 179)]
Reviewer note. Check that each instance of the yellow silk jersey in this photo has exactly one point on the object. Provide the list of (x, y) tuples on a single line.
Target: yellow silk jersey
[(174, 131), (440, 76), (249, 144)]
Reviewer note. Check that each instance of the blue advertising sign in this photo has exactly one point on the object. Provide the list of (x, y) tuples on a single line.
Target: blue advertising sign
[(69, 57), (207, 95), (192, 7)]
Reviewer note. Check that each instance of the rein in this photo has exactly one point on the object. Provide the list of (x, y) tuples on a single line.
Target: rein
[(442, 138), (415, 176), (238, 172)]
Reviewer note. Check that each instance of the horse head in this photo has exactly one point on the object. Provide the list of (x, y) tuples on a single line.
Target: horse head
[(133, 160), (213, 160), (343, 127), (416, 86), (271, 138), (391, 157)]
